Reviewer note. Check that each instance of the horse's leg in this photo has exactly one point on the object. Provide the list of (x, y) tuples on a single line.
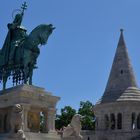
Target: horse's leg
[(4, 85), (30, 74), (4, 82), (30, 78), (26, 72), (25, 76)]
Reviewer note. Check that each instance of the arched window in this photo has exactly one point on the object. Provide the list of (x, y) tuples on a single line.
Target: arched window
[(138, 121), (119, 121), (122, 71), (112, 121), (106, 120), (96, 122), (5, 123), (1, 121), (133, 124)]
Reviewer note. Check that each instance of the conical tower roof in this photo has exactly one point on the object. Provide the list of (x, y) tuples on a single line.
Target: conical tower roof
[(121, 77)]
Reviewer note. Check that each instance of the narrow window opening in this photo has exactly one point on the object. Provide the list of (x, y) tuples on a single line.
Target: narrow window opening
[(121, 71), (112, 121), (133, 124), (119, 121), (106, 121), (5, 123), (138, 121)]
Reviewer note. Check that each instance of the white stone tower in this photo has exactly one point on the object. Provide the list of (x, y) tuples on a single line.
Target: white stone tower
[(118, 111)]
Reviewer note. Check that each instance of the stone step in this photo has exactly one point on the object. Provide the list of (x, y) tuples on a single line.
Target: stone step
[(136, 138), (41, 136), (33, 136)]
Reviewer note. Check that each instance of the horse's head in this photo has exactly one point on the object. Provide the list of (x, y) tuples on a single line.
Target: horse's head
[(46, 31), (41, 33)]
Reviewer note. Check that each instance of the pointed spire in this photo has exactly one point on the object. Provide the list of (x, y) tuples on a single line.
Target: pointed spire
[(121, 75), (121, 40)]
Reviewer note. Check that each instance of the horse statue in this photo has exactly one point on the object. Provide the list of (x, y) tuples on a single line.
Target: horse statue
[(25, 56)]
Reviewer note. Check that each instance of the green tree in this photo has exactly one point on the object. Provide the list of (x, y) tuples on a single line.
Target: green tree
[(86, 110), (65, 117)]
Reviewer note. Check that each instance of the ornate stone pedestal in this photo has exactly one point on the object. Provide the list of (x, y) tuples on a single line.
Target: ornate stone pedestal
[(39, 109)]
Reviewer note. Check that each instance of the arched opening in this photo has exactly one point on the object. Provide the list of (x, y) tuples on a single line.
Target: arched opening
[(33, 121), (106, 120), (42, 122), (133, 123), (5, 123), (1, 123), (122, 72), (119, 121), (112, 121), (138, 121)]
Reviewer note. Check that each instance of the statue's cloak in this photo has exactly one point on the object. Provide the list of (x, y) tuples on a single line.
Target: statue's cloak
[(6, 48)]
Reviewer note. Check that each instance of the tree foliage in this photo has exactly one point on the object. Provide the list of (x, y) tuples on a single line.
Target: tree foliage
[(86, 110), (65, 118)]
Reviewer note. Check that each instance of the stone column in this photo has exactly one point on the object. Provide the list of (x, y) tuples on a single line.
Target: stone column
[(26, 109), (101, 125), (127, 121), (51, 120), (116, 120)]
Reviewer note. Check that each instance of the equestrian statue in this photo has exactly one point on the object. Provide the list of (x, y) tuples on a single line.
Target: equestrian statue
[(20, 51)]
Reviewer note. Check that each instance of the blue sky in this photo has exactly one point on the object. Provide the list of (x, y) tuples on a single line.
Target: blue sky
[(76, 62)]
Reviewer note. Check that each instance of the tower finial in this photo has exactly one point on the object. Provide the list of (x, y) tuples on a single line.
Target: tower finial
[(121, 30)]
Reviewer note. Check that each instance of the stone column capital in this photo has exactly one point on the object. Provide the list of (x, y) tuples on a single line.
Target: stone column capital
[(51, 111), (26, 106)]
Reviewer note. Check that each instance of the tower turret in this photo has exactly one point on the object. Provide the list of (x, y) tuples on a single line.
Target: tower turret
[(121, 76)]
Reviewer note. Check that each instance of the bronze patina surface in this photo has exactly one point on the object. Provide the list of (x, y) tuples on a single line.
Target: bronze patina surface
[(20, 51)]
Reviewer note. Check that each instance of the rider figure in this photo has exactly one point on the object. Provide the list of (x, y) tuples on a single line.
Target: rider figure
[(17, 35)]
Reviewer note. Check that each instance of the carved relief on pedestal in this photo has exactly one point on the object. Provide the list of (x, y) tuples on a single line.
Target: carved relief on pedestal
[(33, 121)]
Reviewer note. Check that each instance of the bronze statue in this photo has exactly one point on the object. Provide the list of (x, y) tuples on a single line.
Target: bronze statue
[(20, 51)]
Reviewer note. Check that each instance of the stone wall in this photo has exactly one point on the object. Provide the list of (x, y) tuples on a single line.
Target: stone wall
[(88, 135), (109, 126)]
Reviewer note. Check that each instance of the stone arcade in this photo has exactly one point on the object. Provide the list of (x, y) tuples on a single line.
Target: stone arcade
[(118, 111)]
